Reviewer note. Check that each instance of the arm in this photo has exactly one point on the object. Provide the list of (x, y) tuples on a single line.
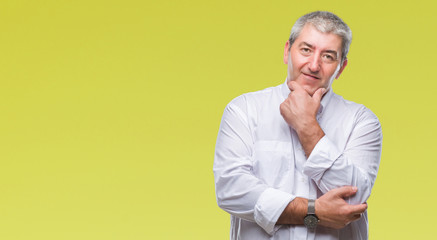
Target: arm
[(331, 209), (357, 165), (329, 167), (238, 191)]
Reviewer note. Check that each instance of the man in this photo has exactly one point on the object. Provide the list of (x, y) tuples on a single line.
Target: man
[(297, 161)]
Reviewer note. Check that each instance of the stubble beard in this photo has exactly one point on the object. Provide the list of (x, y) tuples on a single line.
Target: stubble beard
[(290, 70)]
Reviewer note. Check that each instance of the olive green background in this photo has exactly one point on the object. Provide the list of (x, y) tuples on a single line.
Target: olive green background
[(109, 110)]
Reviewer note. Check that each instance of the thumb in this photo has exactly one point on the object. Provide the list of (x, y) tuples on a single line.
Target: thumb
[(347, 191), (318, 94)]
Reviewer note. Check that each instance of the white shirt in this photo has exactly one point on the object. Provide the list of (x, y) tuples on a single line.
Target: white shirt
[(260, 165)]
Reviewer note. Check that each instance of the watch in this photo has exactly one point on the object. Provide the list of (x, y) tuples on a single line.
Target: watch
[(311, 218)]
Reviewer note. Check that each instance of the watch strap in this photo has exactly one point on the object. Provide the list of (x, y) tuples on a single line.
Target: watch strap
[(311, 206)]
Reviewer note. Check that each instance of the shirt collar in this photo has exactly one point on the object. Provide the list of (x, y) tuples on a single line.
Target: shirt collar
[(325, 99)]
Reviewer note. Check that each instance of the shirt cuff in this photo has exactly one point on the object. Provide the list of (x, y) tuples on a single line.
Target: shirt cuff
[(269, 208), (321, 158)]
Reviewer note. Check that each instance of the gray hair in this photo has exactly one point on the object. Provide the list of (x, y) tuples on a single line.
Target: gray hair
[(325, 22)]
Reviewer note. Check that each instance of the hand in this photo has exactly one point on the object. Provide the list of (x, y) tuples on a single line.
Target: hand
[(334, 212), (299, 110)]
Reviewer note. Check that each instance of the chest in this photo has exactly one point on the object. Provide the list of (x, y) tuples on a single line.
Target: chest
[(278, 156)]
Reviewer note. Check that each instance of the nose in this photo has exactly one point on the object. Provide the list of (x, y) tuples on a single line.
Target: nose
[(314, 63)]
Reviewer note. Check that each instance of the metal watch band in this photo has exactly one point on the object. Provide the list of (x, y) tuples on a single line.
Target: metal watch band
[(311, 206)]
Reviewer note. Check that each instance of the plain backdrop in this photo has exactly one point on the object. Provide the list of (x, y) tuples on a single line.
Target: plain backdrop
[(109, 110)]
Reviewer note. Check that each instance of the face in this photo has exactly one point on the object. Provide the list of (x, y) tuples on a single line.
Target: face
[(314, 59)]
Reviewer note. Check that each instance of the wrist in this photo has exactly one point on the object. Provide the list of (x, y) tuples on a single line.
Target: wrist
[(311, 220), (317, 205), (308, 128), (319, 211), (310, 136), (295, 212)]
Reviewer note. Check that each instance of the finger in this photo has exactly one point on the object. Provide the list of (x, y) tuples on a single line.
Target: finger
[(290, 86), (318, 94), (358, 209), (293, 85), (356, 217), (346, 191)]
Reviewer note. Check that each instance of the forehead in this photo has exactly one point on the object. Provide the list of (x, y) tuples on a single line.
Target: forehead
[(323, 41)]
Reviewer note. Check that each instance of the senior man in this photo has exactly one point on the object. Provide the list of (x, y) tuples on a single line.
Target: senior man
[(298, 161)]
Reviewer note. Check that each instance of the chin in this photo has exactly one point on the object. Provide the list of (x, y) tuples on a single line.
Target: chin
[(310, 90)]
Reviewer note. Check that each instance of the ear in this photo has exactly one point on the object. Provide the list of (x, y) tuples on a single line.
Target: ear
[(341, 69), (287, 46)]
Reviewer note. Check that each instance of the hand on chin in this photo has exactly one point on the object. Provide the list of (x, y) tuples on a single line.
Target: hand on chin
[(309, 90), (308, 87)]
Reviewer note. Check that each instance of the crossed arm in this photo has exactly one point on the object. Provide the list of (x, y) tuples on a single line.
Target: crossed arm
[(242, 194), (299, 110), (331, 209)]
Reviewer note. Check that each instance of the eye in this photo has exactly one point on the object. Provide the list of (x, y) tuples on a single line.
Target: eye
[(305, 50), (329, 57)]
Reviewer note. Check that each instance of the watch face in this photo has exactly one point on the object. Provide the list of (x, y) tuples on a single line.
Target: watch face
[(311, 221)]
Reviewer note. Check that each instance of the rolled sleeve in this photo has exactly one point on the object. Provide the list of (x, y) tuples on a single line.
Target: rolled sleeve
[(321, 158), (354, 165), (269, 208)]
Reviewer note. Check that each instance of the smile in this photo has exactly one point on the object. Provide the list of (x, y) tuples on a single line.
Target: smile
[(310, 76)]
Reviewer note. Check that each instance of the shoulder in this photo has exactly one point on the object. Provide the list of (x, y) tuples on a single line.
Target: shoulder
[(358, 112), (257, 98)]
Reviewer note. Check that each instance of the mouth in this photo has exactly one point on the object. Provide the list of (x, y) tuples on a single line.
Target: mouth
[(311, 76)]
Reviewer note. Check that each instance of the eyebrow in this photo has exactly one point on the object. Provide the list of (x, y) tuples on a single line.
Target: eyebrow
[(305, 43), (311, 46), (331, 51)]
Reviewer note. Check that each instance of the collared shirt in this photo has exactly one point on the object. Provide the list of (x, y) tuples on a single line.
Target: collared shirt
[(260, 165)]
